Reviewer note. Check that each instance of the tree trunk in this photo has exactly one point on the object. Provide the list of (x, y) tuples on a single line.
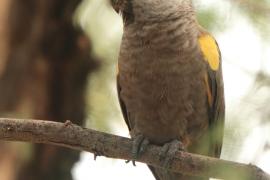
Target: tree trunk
[(44, 77)]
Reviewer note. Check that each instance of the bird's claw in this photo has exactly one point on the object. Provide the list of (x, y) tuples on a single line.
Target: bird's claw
[(139, 145), (168, 152)]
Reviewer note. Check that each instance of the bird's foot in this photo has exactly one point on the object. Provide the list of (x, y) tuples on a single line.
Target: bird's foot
[(168, 152), (139, 145)]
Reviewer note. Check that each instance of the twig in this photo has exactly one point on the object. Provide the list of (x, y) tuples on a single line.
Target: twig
[(102, 144)]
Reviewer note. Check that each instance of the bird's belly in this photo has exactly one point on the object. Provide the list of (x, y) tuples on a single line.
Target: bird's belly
[(161, 98)]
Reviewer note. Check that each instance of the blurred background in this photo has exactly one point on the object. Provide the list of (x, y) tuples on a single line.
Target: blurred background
[(58, 62)]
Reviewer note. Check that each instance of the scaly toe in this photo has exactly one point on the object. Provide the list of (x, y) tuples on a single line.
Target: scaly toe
[(143, 146), (139, 145), (168, 152)]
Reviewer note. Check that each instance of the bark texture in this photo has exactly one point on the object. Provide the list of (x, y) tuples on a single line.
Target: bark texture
[(75, 137)]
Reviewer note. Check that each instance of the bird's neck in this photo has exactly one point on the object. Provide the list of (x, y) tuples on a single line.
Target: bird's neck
[(179, 34), (161, 10)]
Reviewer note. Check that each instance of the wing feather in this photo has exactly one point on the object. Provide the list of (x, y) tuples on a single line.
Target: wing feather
[(214, 90), (122, 105)]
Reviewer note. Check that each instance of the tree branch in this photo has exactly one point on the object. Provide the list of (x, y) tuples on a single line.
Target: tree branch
[(75, 137)]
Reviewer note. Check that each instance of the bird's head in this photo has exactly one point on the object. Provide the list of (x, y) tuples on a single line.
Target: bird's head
[(151, 10)]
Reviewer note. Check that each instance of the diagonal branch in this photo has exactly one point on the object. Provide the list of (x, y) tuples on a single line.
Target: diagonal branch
[(75, 137)]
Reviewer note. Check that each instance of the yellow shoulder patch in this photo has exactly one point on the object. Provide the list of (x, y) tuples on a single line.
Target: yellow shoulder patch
[(210, 50)]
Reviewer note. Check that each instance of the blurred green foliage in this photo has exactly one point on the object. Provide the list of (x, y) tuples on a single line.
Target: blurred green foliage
[(258, 12), (208, 18)]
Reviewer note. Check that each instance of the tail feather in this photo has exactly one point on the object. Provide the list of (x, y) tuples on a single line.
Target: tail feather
[(163, 174)]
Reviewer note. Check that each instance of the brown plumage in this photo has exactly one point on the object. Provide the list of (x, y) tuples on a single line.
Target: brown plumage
[(170, 83)]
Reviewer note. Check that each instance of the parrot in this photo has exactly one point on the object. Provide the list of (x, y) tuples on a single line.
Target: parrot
[(169, 81)]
